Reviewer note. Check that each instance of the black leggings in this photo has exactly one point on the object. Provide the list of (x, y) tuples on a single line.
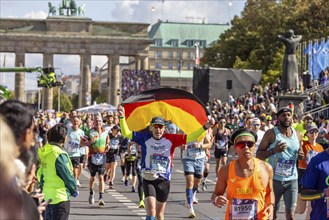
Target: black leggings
[(131, 165), (140, 184)]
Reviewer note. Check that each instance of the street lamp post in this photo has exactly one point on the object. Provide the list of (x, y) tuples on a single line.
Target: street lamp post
[(152, 12), (229, 12), (59, 99)]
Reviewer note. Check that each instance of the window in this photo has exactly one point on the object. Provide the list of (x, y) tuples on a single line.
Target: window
[(189, 56), (179, 55), (189, 43), (171, 55), (158, 55), (174, 43), (158, 65), (170, 66), (203, 43), (158, 42)]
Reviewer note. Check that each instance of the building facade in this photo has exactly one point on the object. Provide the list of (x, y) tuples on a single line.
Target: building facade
[(173, 49)]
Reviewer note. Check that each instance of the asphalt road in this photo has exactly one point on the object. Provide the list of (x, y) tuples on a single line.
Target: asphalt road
[(122, 204)]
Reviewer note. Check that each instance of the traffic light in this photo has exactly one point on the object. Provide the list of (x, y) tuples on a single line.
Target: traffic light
[(118, 92)]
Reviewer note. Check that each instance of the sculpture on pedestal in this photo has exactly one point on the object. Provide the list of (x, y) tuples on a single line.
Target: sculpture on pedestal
[(290, 78)]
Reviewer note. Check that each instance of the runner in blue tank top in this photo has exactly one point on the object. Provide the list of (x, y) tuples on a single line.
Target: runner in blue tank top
[(281, 145)]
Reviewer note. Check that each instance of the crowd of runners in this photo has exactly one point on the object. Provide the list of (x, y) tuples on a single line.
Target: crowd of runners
[(274, 154)]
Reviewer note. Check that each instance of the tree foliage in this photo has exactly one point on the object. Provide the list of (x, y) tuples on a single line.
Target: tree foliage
[(65, 103), (252, 42)]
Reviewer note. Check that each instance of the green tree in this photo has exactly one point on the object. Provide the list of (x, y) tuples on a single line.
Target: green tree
[(65, 103), (253, 42), (101, 98), (95, 89), (75, 101)]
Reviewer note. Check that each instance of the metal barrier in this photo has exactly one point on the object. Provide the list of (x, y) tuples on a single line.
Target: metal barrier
[(322, 110)]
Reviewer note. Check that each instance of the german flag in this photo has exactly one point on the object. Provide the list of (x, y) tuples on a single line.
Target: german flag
[(180, 107)]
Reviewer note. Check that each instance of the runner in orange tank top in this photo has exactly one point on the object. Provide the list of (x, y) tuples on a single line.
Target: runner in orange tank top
[(248, 182)]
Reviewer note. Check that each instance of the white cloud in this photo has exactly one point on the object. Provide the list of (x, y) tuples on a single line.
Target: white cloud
[(181, 11), (36, 15)]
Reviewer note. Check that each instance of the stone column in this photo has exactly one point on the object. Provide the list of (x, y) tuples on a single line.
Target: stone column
[(85, 80), (138, 62), (47, 94), (145, 63), (115, 80), (20, 77), (109, 78)]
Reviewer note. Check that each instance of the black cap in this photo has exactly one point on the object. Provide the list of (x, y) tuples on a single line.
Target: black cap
[(282, 110), (158, 121)]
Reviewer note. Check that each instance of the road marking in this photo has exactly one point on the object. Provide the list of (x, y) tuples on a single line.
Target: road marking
[(122, 199)]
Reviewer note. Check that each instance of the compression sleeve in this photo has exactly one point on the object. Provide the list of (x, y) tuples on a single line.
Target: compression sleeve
[(194, 135), (311, 195), (125, 131)]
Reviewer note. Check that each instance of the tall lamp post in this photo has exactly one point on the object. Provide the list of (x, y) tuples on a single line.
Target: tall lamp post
[(59, 99), (152, 12), (229, 12)]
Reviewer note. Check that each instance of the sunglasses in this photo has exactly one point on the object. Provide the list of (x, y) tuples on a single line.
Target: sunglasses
[(256, 124), (313, 131), (242, 144), (158, 126)]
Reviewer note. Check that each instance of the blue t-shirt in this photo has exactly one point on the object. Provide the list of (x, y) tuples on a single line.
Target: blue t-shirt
[(317, 177)]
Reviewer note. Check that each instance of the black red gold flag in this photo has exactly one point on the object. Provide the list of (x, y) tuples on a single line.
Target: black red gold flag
[(180, 107)]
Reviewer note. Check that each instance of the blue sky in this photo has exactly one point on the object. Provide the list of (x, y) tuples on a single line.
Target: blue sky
[(146, 11)]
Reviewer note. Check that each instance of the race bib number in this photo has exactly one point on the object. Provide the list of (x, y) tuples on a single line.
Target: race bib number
[(221, 145), (284, 168), (193, 152), (159, 163), (98, 159), (73, 146), (244, 209), (133, 150), (310, 155), (114, 144)]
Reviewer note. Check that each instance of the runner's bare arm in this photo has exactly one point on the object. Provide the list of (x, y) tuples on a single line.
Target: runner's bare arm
[(263, 152), (217, 197)]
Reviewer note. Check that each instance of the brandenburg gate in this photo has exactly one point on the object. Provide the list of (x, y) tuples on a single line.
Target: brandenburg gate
[(75, 36)]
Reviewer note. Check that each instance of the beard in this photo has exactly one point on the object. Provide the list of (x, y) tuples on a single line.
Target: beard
[(285, 123)]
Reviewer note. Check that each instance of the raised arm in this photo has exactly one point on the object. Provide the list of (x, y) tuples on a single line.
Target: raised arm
[(125, 131)]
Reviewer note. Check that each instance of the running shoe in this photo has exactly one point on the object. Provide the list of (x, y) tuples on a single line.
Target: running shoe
[(133, 189), (195, 200), (111, 185), (126, 182), (204, 186), (78, 183), (91, 199), (141, 204), (101, 202), (191, 213)]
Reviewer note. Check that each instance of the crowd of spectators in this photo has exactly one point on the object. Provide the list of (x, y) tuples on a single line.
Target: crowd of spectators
[(134, 81), (263, 101)]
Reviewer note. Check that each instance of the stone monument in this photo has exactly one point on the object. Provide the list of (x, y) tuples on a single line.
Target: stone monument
[(290, 93)]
